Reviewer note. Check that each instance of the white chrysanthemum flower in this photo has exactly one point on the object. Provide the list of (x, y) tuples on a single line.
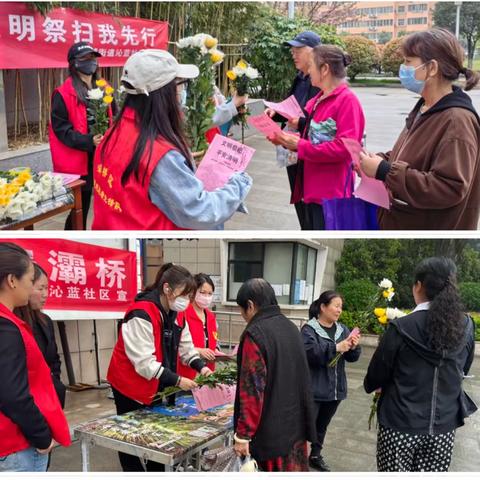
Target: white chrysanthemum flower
[(239, 71), (184, 42), (393, 313), (95, 94), (251, 73), (385, 283)]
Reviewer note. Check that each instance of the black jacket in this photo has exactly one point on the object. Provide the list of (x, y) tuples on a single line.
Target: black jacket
[(45, 336), (303, 91), (287, 414), (16, 402), (421, 389), (328, 383)]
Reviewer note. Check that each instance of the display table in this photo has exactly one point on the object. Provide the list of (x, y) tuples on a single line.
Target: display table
[(70, 201), (172, 436)]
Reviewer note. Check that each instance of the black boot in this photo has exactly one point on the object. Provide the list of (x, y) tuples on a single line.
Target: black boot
[(318, 463)]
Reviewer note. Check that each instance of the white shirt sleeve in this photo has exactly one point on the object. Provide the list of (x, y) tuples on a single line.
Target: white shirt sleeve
[(139, 343), (186, 350)]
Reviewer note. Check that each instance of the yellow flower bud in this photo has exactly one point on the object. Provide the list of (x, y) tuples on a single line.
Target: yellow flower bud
[(108, 99), (109, 90), (385, 294), (383, 320), (231, 75), (242, 64), (380, 312), (211, 42), (216, 57), (101, 83)]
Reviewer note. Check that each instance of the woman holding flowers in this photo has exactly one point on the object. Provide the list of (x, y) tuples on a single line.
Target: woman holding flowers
[(325, 164), (152, 341), (72, 142), (144, 171), (328, 344), (419, 367)]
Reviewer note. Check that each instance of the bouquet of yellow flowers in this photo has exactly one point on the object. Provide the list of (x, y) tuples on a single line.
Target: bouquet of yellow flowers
[(243, 77), (200, 50), (99, 99), (21, 191), (383, 315)]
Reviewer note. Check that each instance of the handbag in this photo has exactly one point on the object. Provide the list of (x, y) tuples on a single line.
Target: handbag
[(349, 213)]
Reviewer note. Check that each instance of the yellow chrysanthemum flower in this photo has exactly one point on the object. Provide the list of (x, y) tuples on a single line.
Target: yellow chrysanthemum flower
[(101, 83), (242, 64), (231, 75), (383, 319), (109, 90), (380, 312), (216, 57), (211, 42), (108, 99), (385, 294)]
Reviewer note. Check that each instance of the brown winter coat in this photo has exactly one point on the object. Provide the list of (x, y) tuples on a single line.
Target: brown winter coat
[(433, 170)]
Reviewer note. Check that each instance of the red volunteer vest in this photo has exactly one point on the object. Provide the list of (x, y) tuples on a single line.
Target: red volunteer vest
[(129, 207), (121, 372), (66, 159), (42, 390), (198, 337)]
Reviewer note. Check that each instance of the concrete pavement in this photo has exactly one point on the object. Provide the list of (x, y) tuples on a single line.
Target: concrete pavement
[(349, 446)]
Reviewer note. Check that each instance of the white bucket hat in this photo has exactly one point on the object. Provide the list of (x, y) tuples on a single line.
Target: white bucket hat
[(149, 70)]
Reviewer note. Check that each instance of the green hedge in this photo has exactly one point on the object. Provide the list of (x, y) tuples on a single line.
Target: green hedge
[(357, 294), (470, 294)]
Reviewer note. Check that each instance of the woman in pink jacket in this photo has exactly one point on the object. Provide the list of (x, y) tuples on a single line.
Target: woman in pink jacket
[(333, 115)]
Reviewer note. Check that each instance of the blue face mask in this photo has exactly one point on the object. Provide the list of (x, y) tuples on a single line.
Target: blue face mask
[(408, 80)]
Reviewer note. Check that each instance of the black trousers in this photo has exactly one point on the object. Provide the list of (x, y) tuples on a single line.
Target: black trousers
[(131, 463), (313, 217), (300, 206), (325, 413), (87, 190)]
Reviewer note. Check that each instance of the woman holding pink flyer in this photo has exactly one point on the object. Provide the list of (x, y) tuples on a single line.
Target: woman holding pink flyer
[(328, 344), (144, 172), (325, 164)]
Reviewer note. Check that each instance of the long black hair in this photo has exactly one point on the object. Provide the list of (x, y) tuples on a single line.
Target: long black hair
[(78, 84), (14, 260), (445, 318), (324, 299), (27, 313), (201, 279), (156, 115), (258, 291)]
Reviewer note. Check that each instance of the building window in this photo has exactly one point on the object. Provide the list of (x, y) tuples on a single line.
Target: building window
[(401, 22), (401, 9), (290, 268), (417, 21), (421, 7)]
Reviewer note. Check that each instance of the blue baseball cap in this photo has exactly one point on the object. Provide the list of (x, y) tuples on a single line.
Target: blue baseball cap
[(304, 39)]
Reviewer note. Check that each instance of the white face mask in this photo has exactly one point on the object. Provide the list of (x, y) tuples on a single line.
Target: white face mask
[(180, 304)]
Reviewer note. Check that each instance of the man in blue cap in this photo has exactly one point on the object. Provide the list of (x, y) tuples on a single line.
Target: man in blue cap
[(300, 47)]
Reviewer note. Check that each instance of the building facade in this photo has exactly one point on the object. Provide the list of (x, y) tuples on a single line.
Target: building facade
[(383, 21)]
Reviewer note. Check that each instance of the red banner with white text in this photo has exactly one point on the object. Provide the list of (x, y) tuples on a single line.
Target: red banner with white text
[(83, 276), (30, 40)]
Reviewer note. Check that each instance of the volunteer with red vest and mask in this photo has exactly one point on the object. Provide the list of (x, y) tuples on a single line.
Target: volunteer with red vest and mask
[(71, 144), (31, 417), (152, 342), (202, 323), (144, 172)]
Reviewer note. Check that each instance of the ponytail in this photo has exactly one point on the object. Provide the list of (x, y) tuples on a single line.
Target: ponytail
[(176, 276), (324, 299), (472, 78), (445, 317)]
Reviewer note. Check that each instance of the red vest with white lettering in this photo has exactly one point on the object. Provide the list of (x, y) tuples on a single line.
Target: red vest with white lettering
[(197, 331), (128, 207), (121, 372), (42, 390), (66, 159)]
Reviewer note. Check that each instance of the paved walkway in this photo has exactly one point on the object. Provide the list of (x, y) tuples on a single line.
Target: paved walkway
[(349, 446), (268, 201)]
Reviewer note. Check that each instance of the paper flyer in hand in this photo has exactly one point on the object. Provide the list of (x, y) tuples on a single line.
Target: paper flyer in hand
[(264, 124), (370, 189), (289, 108), (207, 397), (224, 157), (226, 356)]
